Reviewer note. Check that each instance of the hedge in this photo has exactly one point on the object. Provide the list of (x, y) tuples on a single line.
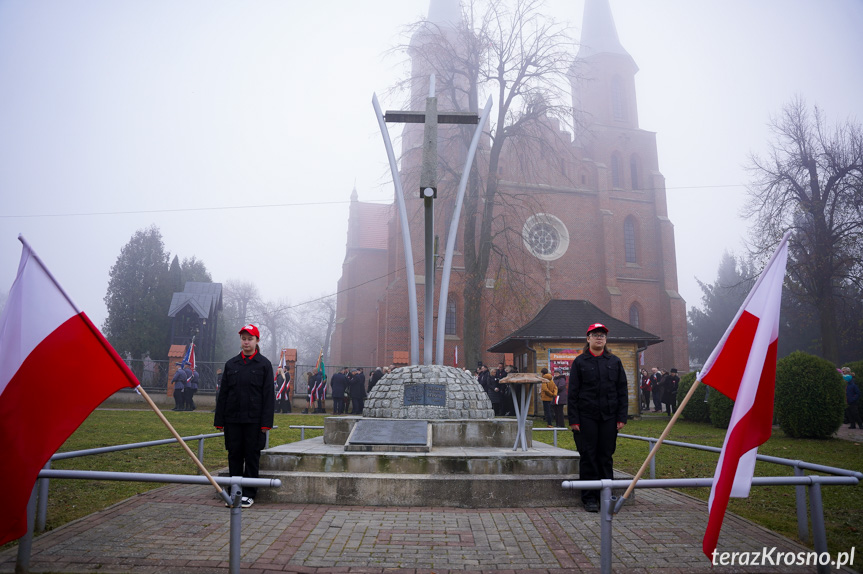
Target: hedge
[(810, 396), (696, 409)]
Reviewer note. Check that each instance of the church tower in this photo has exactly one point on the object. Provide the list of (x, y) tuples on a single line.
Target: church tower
[(641, 272), (587, 221)]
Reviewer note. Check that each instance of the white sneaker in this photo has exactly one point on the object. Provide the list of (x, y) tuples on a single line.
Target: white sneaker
[(247, 502)]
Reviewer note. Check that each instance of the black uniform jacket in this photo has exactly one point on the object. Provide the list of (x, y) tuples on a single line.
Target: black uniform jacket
[(338, 384), (246, 394), (597, 388)]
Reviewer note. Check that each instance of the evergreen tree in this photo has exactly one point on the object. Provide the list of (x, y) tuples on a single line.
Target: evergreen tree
[(720, 302), (193, 269), (138, 297)]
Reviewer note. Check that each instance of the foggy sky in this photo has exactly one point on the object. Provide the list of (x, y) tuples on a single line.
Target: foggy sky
[(239, 129)]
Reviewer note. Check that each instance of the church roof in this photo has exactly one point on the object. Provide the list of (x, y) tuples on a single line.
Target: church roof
[(372, 220), (598, 32), (568, 319), (203, 298)]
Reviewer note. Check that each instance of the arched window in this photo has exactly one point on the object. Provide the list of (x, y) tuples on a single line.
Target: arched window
[(634, 316), (629, 240), (449, 326), (618, 99), (616, 179), (633, 172)]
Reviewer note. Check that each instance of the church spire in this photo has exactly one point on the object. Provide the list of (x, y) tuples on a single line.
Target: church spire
[(444, 12), (598, 32)]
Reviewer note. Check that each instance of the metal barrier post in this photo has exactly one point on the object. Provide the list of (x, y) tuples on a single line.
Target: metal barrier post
[(25, 543), (650, 444), (606, 514), (267, 440), (302, 433), (555, 437), (236, 528), (802, 518), (819, 532), (200, 452), (42, 501)]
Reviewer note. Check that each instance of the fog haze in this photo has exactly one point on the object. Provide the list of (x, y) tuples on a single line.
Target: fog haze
[(240, 129)]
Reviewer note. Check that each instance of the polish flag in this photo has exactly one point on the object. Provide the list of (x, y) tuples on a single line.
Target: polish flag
[(46, 345), (189, 359), (743, 368)]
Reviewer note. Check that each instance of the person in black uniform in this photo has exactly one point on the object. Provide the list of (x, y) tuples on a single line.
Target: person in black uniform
[(357, 387), (338, 385), (245, 407), (597, 405)]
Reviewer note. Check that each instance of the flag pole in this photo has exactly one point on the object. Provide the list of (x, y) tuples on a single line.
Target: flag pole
[(177, 436), (655, 448)]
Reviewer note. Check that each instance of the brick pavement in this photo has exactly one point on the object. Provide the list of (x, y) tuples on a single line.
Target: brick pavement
[(185, 530)]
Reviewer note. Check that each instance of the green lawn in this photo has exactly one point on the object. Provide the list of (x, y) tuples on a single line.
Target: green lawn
[(772, 507)]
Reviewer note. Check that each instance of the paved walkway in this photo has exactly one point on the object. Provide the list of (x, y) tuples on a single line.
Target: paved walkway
[(185, 530)]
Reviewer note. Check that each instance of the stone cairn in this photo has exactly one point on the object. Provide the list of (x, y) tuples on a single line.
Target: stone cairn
[(454, 393)]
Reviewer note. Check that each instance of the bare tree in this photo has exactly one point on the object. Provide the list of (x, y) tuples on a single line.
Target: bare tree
[(241, 296), (521, 57), (811, 182), (314, 324), (276, 321)]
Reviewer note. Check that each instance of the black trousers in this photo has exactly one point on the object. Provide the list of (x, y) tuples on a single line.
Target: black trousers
[(179, 399), (283, 405), (558, 415), (852, 411), (547, 411), (338, 405), (188, 399), (357, 406), (244, 443), (596, 443)]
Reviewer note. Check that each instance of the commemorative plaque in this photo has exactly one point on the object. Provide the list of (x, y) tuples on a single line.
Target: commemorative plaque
[(389, 432), (424, 394)]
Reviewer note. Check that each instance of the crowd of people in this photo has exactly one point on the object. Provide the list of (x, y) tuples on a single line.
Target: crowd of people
[(185, 386), (660, 385)]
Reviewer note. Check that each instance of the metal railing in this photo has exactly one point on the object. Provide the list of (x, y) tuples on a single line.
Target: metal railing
[(800, 481), (303, 429), (236, 483), (37, 508), (608, 503), (798, 465)]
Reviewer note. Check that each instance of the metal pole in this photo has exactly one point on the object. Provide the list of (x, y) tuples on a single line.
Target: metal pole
[(650, 444), (606, 515), (802, 518), (428, 320), (200, 451), (819, 532), (453, 232), (42, 501), (428, 183), (25, 543), (406, 235), (236, 528)]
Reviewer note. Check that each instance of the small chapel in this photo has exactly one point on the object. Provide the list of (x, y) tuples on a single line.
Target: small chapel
[(592, 223)]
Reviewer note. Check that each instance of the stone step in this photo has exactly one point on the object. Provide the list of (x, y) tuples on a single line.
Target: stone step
[(312, 455), (420, 490)]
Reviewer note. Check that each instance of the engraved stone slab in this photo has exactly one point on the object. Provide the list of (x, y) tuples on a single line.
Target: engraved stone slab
[(424, 394), (390, 432)]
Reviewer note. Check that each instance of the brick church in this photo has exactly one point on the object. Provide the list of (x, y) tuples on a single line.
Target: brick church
[(590, 222)]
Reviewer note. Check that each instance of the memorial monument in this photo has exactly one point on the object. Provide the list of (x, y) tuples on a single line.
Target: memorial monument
[(428, 435)]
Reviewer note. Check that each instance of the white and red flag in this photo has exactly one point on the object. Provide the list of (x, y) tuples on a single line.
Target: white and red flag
[(189, 359), (743, 368), (42, 333)]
